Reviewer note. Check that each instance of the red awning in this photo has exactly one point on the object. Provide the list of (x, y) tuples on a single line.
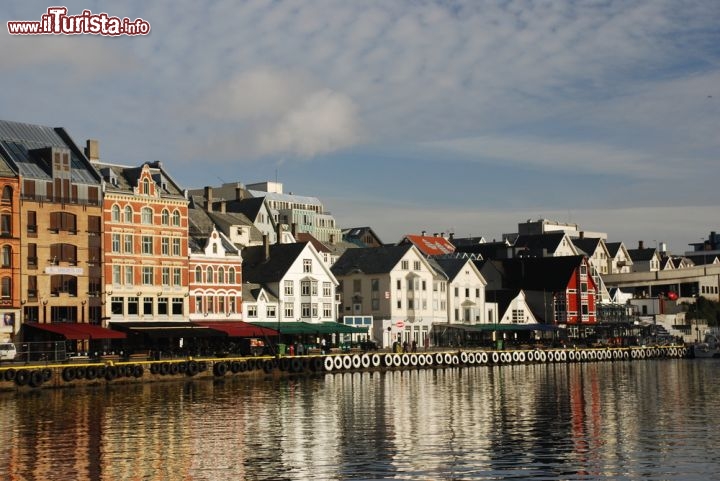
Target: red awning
[(238, 328), (76, 331)]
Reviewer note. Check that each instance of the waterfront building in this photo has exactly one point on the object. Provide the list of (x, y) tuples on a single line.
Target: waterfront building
[(619, 261), (398, 286), (296, 276), (57, 221), (10, 266), (596, 251), (465, 293), (644, 259), (145, 243), (215, 267)]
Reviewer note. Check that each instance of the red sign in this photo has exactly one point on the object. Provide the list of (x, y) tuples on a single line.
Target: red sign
[(400, 324)]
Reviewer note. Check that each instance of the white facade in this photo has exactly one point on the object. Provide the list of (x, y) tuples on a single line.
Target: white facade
[(518, 312), (264, 307), (621, 262), (466, 296)]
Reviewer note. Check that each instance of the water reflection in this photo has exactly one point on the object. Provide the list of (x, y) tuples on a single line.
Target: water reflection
[(622, 420)]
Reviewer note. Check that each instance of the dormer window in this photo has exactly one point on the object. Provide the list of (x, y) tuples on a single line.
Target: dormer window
[(146, 187)]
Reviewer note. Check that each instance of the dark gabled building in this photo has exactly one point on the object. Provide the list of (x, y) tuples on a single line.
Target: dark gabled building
[(361, 236)]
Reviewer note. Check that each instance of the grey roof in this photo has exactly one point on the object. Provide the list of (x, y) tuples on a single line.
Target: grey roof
[(225, 220), (587, 244), (249, 207), (123, 178), (539, 244), (370, 260), (200, 227), (451, 267), (19, 140), (613, 248), (355, 234), (251, 291), (263, 271), (641, 254)]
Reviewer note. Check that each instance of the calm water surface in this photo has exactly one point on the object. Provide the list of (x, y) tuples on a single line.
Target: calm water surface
[(621, 420)]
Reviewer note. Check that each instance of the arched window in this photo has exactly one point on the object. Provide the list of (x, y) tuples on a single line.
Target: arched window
[(146, 187), (128, 214), (198, 274), (209, 278), (221, 276), (115, 213), (231, 276), (165, 217), (176, 219), (147, 215), (6, 256), (7, 195)]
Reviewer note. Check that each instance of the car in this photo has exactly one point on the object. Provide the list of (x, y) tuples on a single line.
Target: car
[(7, 351)]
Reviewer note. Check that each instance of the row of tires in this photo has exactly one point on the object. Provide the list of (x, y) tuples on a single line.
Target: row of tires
[(463, 358)]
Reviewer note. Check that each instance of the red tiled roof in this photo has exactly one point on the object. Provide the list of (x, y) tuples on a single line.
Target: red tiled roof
[(431, 245)]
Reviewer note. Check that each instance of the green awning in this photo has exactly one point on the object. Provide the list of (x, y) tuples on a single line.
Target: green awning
[(298, 328)]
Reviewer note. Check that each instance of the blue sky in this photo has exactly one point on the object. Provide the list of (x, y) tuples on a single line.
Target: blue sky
[(468, 116)]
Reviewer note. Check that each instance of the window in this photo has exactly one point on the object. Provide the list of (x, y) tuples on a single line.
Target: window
[(146, 186), (210, 304), (32, 260), (477, 293), (132, 306), (405, 265), (115, 213), (307, 265), (165, 246), (146, 215), (583, 269), (327, 289), (178, 306), (357, 285), (32, 287), (305, 288), (116, 305), (271, 311), (289, 311), (467, 292), (252, 311), (165, 217), (221, 304), (518, 316), (128, 214), (375, 304), (416, 265), (288, 288), (314, 310), (231, 276), (313, 288), (129, 275), (209, 275), (162, 306), (7, 195), (147, 245), (176, 246), (116, 275), (128, 243), (584, 309), (198, 304), (221, 275), (94, 224), (62, 221), (399, 304), (177, 277), (231, 304), (147, 306), (5, 225), (176, 219), (6, 256), (115, 242), (457, 292), (305, 310), (583, 287), (147, 273), (399, 284), (198, 274), (32, 223), (165, 276), (6, 288)]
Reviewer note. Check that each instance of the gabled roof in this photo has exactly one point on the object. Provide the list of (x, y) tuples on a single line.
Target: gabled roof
[(249, 207), (587, 244), (541, 273), (493, 273), (464, 241), (307, 237), (262, 271), (542, 305), (123, 178), (645, 254), (667, 263), (355, 235), (370, 260), (225, 220), (451, 267), (488, 250), (251, 291), (430, 245), (541, 244)]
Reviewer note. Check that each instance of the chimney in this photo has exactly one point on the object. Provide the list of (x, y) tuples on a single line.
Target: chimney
[(582, 234), (238, 193), (451, 235), (641, 245), (294, 229), (266, 248), (435, 234), (222, 206), (208, 198), (92, 150), (278, 233), (422, 233)]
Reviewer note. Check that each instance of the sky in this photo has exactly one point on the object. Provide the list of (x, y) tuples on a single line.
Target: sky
[(445, 116)]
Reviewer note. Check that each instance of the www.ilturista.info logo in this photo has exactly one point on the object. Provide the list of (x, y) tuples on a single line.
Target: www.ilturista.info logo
[(57, 22)]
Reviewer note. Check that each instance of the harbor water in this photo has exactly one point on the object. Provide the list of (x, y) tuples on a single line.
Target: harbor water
[(634, 420)]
